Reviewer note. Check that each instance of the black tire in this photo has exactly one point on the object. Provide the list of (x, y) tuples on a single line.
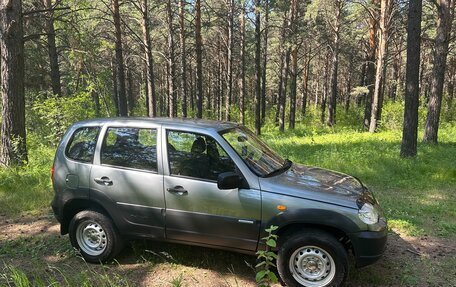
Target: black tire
[(324, 244), (104, 234)]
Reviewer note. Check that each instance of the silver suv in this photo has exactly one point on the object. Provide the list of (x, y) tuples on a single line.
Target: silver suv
[(211, 184)]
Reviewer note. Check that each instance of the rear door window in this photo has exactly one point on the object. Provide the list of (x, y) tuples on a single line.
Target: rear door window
[(82, 144), (131, 148)]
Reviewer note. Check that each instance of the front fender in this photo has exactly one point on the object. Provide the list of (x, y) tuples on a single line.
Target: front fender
[(311, 217)]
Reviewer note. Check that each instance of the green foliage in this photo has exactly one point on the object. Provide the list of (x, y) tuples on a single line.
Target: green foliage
[(265, 276), (417, 194), (177, 282), (51, 115), (16, 277), (12, 276), (28, 188)]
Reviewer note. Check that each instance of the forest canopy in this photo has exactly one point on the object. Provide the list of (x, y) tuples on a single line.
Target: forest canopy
[(258, 62)]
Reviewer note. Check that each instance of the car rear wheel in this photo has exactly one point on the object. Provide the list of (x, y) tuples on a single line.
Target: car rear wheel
[(312, 258), (95, 236)]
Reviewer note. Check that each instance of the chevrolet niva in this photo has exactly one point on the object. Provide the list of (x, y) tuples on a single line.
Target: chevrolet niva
[(212, 184)]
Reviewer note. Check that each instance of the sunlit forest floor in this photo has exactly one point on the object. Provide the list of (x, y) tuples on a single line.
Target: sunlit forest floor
[(418, 195)]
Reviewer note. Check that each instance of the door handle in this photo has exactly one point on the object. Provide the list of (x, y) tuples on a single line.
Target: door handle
[(179, 190), (104, 180), (246, 221)]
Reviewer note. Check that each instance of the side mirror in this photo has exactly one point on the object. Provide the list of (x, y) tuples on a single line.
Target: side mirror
[(229, 180)]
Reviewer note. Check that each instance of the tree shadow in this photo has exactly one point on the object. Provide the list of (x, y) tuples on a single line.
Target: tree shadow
[(45, 255)]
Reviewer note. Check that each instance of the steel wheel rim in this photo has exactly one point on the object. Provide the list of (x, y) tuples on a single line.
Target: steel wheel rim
[(91, 238), (312, 266)]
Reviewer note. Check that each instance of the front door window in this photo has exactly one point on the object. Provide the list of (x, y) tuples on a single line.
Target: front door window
[(197, 156)]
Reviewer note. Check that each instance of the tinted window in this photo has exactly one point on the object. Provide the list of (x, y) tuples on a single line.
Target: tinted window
[(130, 147), (82, 144), (197, 156)]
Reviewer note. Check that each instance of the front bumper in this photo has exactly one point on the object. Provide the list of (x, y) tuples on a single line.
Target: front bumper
[(369, 246)]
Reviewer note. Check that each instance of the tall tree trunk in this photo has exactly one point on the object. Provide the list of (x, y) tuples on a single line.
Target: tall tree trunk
[(115, 93), (242, 79), (183, 85), (171, 63), (168, 104), (412, 79), (305, 87), (265, 59), (96, 101), (52, 49), (199, 61), (221, 81), (349, 83), (151, 98), (325, 90), (192, 89), (370, 70), (121, 91), (445, 10), (130, 92), (257, 67), (278, 97), (229, 60), (451, 84), (362, 81), (332, 101), (284, 50), (13, 149), (395, 82), (283, 98), (382, 88), (162, 100), (294, 65), (293, 88), (385, 8)]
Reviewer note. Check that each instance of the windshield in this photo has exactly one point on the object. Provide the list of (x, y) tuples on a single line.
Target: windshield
[(256, 154)]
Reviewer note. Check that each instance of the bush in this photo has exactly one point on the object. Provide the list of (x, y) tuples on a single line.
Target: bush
[(50, 116)]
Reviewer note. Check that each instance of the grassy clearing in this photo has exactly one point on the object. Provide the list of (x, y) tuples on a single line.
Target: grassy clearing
[(418, 196), (28, 190)]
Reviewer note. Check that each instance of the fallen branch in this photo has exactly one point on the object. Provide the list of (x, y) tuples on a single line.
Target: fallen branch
[(413, 252)]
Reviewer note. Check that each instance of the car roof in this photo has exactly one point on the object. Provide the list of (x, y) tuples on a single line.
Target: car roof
[(168, 122)]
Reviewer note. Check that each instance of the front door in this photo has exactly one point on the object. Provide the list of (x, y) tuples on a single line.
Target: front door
[(127, 176), (196, 210)]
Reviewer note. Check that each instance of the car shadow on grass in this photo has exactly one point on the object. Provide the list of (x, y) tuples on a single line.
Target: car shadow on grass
[(46, 256)]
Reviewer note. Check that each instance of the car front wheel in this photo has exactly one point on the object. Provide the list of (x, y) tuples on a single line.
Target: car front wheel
[(95, 236), (312, 258)]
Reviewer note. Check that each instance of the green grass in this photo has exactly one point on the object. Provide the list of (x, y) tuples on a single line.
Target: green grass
[(27, 190), (418, 194)]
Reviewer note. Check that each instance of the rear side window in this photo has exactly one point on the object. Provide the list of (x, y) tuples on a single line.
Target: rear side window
[(82, 144), (130, 147)]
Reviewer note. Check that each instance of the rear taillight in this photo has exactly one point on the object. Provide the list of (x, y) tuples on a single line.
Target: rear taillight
[(52, 173)]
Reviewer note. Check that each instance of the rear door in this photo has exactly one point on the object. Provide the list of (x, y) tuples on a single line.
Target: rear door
[(126, 173), (196, 210)]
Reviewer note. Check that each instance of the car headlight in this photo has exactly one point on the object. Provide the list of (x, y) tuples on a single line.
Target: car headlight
[(368, 214)]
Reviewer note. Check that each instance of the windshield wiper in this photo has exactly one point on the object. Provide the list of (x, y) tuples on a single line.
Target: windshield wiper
[(286, 165)]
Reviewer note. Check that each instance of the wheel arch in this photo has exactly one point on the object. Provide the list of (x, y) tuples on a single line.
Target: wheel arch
[(74, 206), (334, 223)]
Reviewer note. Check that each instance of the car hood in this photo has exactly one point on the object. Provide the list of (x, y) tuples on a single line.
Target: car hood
[(317, 184)]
